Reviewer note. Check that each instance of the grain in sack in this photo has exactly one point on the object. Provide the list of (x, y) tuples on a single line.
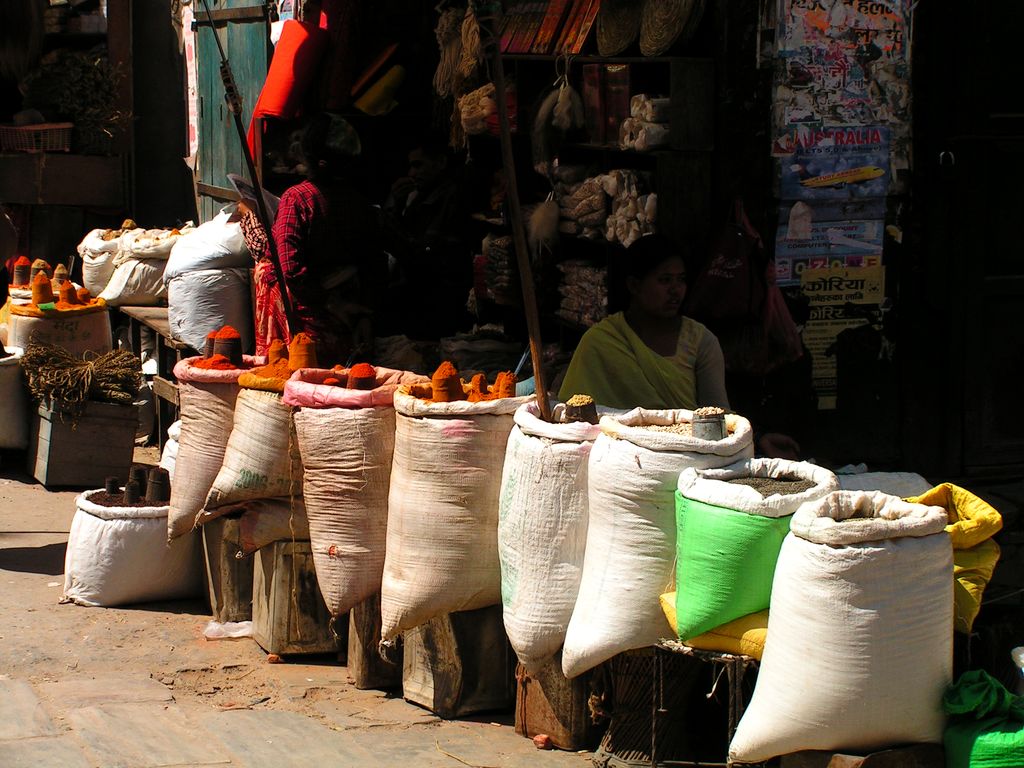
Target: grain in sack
[(442, 540), (729, 535), (860, 632), (346, 440), (542, 529), (631, 537)]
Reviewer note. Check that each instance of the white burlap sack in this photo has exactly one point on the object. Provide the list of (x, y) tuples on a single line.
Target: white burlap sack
[(860, 634), (261, 460), (900, 484), (13, 402), (442, 543), (77, 333), (98, 260), (206, 300), (216, 244), (631, 539), (346, 439), (120, 555), (207, 404), (542, 529)]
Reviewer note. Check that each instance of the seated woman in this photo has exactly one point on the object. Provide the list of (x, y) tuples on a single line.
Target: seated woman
[(651, 356)]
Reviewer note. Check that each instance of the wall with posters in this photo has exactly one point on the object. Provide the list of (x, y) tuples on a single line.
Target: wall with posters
[(841, 129)]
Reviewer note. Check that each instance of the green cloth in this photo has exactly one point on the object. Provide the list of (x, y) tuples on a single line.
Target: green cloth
[(725, 563), (986, 725), (616, 368)]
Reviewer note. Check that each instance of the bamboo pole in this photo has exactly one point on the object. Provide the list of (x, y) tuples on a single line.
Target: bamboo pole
[(486, 14)]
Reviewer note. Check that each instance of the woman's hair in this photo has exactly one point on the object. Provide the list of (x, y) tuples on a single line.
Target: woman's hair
[(648, 253)]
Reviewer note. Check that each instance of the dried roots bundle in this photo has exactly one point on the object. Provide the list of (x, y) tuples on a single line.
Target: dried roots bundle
[(67, 382)]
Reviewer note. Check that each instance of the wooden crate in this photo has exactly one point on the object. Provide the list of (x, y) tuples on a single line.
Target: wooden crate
[(289, 614), (548, 703), (366, 668), (460, 663), (84, 450), (229, 578)]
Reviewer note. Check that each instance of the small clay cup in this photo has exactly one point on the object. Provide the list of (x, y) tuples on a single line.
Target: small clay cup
[(132, 494), (231, 349), (138, 474), (158, 486)]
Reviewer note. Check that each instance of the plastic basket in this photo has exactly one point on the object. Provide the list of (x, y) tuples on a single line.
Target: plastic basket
[(43, 137)]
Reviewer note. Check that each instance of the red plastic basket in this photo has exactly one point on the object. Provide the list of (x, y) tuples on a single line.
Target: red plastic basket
[(43, 137)]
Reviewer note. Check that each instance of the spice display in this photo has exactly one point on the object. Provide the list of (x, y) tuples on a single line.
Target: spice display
[(40, 265), (116, 499), (113, 234), (58, 377), (68, 296), (445, 384), (771, 486), (581, 408), (228, 342), (21, 274), (42, 290), (214, 362), (362, 376), (84, 296), (60, 275), (302, 352)]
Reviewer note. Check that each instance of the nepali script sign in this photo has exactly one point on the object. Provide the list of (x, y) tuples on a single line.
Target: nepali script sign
[(860, 285)]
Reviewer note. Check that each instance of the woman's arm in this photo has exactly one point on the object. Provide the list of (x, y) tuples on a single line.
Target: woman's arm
[(710, 372)]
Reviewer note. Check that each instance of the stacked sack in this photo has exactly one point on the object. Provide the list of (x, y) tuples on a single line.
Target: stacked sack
[(207, 391), (138, 276), (97, 251), (207, 281), (261, 475), (584, 290), (860, 633), (647, 126), (633, 214), (731, 523), (442, 549), (631, 540), (542, 528), (582, 205), (345, 426)]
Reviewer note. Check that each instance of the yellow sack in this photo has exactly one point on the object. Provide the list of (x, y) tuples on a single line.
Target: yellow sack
[(745, 635), (972, 524)]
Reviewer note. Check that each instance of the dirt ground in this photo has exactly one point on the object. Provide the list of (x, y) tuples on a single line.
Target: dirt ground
[(52, 646)]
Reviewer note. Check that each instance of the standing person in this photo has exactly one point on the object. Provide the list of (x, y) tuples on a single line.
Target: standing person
[(325, 233), (651, 355)]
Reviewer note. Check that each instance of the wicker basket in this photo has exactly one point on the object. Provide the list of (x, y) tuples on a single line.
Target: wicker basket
[(43, 137)]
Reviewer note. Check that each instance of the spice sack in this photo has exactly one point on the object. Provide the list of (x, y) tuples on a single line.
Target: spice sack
[(860, 632), (346, 440), (631, 538), (542, 529), (729, 536), (442, 540)]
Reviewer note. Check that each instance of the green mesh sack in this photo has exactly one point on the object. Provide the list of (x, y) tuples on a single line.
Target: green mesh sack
[(729, 536)]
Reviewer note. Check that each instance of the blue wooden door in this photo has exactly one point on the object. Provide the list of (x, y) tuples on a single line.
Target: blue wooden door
[(243, 30)]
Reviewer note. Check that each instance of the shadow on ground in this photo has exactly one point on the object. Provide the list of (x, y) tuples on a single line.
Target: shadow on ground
[(48, 559)]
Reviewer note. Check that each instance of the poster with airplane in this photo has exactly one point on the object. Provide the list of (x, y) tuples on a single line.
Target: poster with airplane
[(837, 163)]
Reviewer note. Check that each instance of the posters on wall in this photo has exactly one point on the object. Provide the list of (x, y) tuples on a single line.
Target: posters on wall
[(841, 138)]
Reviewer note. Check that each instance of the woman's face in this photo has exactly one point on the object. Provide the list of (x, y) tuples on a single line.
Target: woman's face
[(661, 291)]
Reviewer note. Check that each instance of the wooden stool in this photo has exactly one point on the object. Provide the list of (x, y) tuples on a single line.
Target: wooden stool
[(548, 703), (228, 577)]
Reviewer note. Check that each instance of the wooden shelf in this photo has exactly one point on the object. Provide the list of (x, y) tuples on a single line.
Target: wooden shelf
[(57, 178)]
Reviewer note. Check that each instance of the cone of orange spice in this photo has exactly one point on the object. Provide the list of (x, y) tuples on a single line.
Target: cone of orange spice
[(362, 376)]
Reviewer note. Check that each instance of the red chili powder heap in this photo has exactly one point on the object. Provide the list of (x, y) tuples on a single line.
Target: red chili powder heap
[(446, 385), (214, 363), (227, 332), (332, 381), (23, 261), (362, 371), (504, 385)]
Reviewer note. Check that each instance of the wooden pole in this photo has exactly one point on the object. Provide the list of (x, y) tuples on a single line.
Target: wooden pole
[(486, 13)]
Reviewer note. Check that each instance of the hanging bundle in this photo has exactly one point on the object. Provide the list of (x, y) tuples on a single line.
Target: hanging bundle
[(471, 53), (449, 39), (560, 112)]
